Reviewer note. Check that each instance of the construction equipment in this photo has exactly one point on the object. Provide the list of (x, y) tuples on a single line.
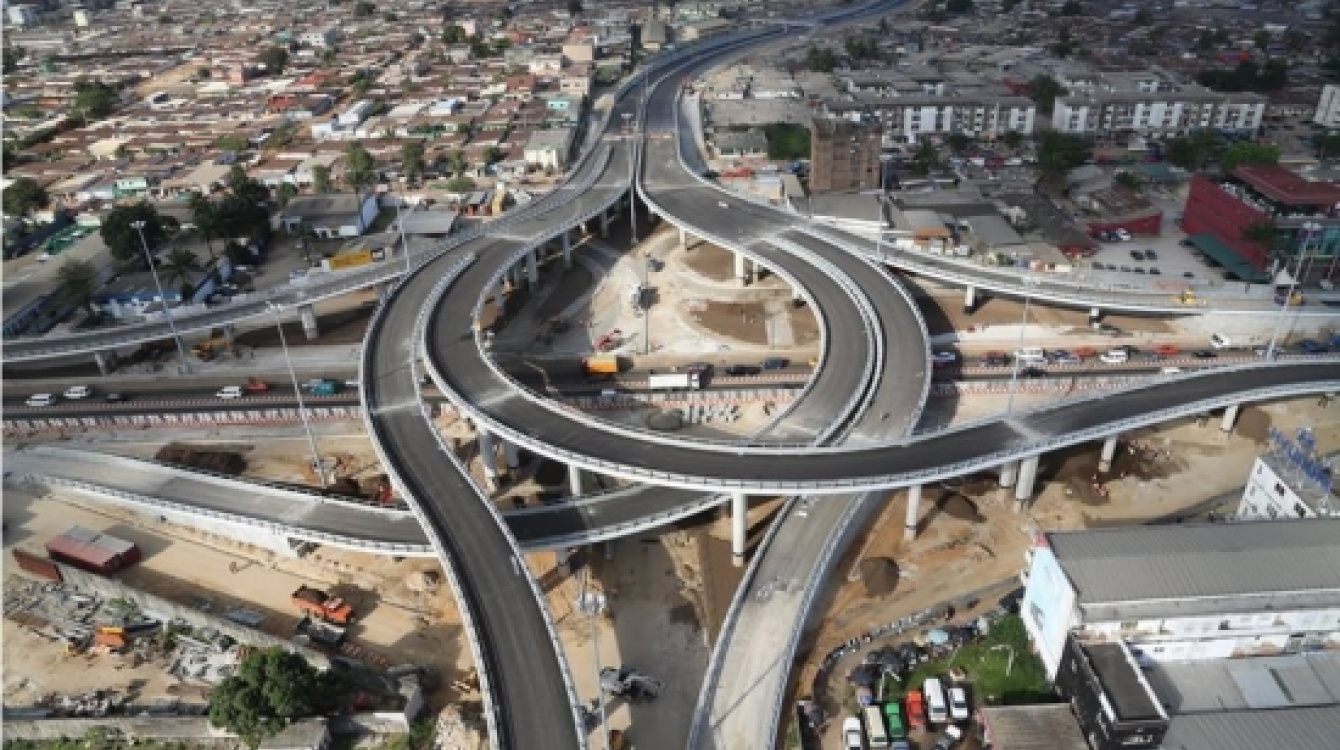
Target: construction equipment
[(628, 683), (603, 365), (323, 606), (218, 343)]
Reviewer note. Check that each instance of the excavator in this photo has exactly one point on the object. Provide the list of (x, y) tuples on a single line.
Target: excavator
[(217, 343)]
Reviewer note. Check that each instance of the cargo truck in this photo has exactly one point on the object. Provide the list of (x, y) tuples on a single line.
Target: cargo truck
[(684, 381), (323, 605), (607, 364), (324, 387)]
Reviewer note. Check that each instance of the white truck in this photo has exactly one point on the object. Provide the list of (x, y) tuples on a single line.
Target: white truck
[(682, 381)]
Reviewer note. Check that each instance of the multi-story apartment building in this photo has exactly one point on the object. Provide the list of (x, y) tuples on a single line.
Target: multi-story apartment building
[(1328, 107), (1289, 481), (844, 156), (1159, 113), (907, 118)]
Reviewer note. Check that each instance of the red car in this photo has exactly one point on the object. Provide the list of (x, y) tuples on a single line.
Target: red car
[(916, 710)]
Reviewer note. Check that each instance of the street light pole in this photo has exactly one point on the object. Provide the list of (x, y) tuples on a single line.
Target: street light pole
[(172, 324), (595, 651), (1308, 228), (297, 391), (1014, 373)]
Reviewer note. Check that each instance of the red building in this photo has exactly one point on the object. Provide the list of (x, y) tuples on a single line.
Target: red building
[(1218, 213)]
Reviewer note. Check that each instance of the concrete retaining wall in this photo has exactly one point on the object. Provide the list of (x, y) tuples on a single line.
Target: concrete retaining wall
[(196, 729)]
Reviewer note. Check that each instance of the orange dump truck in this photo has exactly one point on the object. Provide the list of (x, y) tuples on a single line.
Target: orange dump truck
[(601, 365), (323, 605)]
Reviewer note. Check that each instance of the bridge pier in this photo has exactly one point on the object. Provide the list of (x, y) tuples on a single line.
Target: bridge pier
[(1028, 475), (533, 268), (1009, 471), (512, 455), (1230, 417), (1095, 315), (567, 249), (384, 291), (913, 513), (308, 316), (605, 223), (575, 480), (488, 458), (741, 272), (106, 362), (739, 516), (499, 298), (1109, 453), (683, 240)]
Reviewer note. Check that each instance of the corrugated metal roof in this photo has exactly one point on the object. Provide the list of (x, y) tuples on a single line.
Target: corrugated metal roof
[(1200, 560), (82, 544), (1310, 728), (1049, 726)]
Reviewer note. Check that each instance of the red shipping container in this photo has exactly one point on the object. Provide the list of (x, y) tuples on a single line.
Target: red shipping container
[(92, 551)]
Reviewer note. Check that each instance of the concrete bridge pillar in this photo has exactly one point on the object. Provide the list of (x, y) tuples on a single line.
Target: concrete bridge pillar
[(605, 223), (533, 268), (512, 454), (1095, 315), (683, 240), (575, 480), (567, 250), (913, 513), (309, 328), (1009, 471), (1109, 453), (1230, 417), (739, 516), (741, 272), (383, 291), (1028, 475), (970, 300), (106, 362), (488, 458), (499, 298)]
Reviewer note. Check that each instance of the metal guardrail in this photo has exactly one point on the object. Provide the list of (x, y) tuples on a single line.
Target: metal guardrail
[(138, 500)]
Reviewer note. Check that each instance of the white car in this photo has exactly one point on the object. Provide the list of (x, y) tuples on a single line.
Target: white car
[(723, 204), (78, 392), (41, 399), (1114, 357), (1123, 235), (944, 358), (1220, 341), (958, 704), (231, 392), (853, 738)]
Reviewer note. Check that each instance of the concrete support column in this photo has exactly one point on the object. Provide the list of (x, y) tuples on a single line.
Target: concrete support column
[(575, 480), (1009, 471), (1095, 315), (741, 272), (1028, 475), (683, 239), (605, 223), (567, 250), (533, 268), (1230, 417), (308, 316), (512, 454), (229, 331), (739, 516), (913, 513), (1109, 453), (106, 362), (383, 291), (970, 300), (488, 458)]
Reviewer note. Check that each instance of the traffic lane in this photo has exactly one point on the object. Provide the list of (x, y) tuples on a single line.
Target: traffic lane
[(601, 514), (530, 702)]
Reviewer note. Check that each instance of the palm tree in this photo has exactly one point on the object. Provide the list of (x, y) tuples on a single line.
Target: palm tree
[(78, 281), (179, 265), (205, 217)]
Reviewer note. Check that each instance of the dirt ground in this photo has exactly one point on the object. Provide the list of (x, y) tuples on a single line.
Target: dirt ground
[(198, 568), (736, 321), (346, 324), (710, 261), (971, 543)]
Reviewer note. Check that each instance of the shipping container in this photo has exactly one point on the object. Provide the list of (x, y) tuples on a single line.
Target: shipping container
[(92, 551), (38, 566)]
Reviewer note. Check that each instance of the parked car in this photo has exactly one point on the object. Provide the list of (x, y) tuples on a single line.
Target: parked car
[(75, 392), (1167, 350), (1032, 372), (1114, 357), (737, 371), (231, 392), (1220, 341), (1122, 235), (995, 359), (958, 704), (852, 736), (915, 708), (1064, 358), (1155, 272), (1150, 254), (41, 399), (1312, 347), (942, 359), (1137, 255), (949, 738), (775, 363), (116, 398), (1204, 354)]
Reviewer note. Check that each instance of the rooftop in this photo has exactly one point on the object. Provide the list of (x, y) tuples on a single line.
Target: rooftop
[(1048, 726), (1252, 730), (1258, 682), (1279, 184), (1131, 697), (1183, 568)]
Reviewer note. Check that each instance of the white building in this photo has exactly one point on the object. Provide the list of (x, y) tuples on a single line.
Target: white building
[(1328, 107), (1288, 482), (319, 37), (1187, 592), (357, 112), (1157, 113), (330, 216), (549, 148), (908, 117)]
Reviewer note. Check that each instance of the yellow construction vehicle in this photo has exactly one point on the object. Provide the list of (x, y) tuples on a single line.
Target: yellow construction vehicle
[(217, 343)]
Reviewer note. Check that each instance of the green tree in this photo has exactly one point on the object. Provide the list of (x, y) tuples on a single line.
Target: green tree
[(285, 193), (1144, 17), (363, 9), (453, 34), (77, 282), (24, 195), (1326, 145), (1248, 153), (411, 159), (1263, 232), (958, 142), (203, 72), (1072, 8), (1013, 139), (1193, 151), (271, 688), (359, 167), (926, 157), (95, 99), (1058, 153), (456, 162), (274, 59), (460, 184), (321, 182), (231, 143), (820, 60), (1128, 180), (1043, 90), (243, 186), (205, 217), (1008, 5), (179, 266), (492, 155), (240, 215), (10, 61), (958, 6), (165, 19), (1261, 39), (123, 241)]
